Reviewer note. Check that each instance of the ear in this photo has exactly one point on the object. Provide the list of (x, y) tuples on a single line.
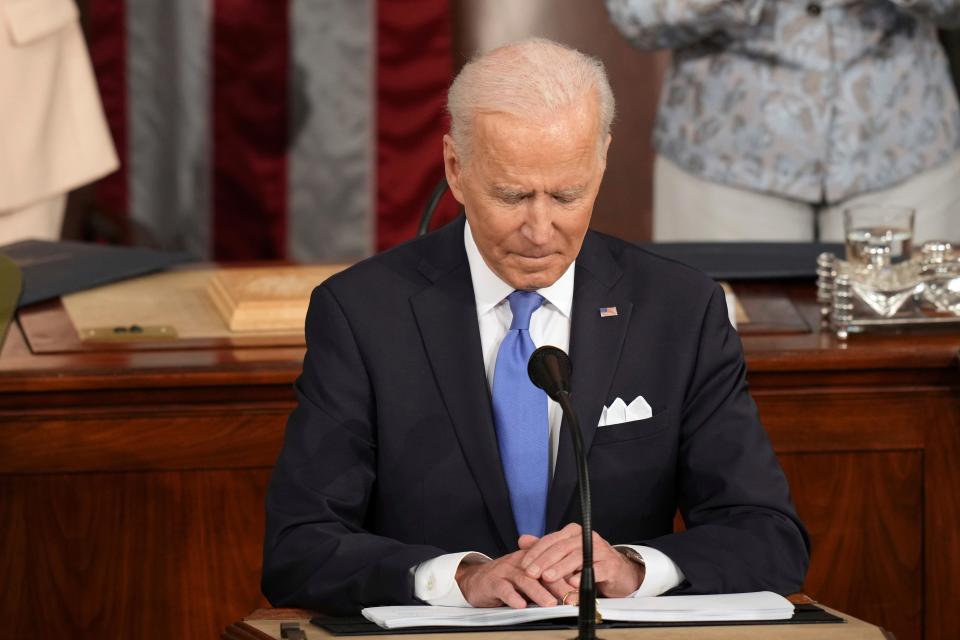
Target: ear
[(606, 147), (453, 168)]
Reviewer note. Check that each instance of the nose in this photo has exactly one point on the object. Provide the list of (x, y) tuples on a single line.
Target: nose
[(538, 223)]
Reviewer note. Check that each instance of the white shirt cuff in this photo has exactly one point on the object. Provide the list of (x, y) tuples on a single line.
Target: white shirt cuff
[(661, 573), (435, 581)]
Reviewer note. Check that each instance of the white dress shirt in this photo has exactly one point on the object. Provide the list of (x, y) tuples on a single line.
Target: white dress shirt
[(435, 580)]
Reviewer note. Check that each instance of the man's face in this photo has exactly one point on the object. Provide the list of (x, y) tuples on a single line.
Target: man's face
[(528, 189)]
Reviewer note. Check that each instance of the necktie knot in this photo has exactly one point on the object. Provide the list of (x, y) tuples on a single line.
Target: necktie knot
[(523, 304)]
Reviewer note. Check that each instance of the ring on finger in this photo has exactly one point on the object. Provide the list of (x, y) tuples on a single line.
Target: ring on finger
[(563, 600)]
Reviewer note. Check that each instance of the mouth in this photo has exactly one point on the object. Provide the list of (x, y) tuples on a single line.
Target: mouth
[(534, 256)]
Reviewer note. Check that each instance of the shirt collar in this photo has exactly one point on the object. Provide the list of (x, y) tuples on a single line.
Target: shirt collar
[(489, 290)]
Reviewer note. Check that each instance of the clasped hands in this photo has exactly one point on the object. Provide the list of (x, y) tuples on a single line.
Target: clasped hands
[(546, 571)]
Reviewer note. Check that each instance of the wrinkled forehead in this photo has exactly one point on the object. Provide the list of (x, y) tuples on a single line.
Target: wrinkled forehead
[(563, 141)]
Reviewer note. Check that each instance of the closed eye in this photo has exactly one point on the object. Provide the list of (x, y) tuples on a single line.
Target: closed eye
[(511, 196), (567, 197)]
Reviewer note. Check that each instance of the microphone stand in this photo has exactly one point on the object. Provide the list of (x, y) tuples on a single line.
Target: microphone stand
[(587, 619)]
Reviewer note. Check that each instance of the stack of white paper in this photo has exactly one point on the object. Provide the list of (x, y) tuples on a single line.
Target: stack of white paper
[(762, 605)]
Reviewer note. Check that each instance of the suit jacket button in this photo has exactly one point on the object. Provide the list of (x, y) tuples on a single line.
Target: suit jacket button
[(814, 9)]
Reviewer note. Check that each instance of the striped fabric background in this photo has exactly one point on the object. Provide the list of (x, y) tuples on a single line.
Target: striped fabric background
[(272, 129)]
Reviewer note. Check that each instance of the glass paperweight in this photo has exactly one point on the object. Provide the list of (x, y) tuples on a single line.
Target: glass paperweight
[(876, 291), (886, 289), (941, 272)]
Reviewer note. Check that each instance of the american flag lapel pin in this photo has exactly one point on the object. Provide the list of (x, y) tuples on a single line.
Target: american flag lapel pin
[(608, 312)]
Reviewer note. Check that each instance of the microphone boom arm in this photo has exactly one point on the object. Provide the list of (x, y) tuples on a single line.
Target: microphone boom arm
[(549, 368), (587, 618)]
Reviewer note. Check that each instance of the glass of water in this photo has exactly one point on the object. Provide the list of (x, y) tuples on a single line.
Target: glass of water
[(868, 228)]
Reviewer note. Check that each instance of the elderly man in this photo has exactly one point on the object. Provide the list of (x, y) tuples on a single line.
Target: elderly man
[(421, 465)]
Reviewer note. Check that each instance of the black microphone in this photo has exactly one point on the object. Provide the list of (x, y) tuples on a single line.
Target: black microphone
[(549, 368)]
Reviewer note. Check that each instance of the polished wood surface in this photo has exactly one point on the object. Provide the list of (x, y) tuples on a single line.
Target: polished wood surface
[(132, 482), (865, 510)]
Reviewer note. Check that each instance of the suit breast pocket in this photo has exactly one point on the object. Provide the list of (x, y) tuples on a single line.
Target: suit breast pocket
[(634, 429), (31, 20)]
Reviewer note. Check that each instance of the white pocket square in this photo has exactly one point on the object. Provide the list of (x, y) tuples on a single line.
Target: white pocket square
[(619, 412)]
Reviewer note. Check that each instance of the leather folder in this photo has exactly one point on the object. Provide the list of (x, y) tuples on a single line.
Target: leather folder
[(359, 626), (53, 269), (747, 260)]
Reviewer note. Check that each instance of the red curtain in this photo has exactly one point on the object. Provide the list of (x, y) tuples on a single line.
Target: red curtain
[(414, 70), (107, 38), (251, 55)]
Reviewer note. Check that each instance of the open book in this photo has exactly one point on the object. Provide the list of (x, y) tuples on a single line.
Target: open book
[(762, 605)]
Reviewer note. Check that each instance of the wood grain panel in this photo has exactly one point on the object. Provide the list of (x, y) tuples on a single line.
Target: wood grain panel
[(851, 419), (165, 438), (134, 401), (135, 555), (942, 526), (863, 512)]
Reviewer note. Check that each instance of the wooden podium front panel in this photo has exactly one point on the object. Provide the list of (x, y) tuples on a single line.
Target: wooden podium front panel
[(132, 487), (134, 521), (862, 511), (161, 554), (854, 456), (865, 432)]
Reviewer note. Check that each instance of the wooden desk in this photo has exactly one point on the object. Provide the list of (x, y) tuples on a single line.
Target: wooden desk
[(132, 483), (264, 624)]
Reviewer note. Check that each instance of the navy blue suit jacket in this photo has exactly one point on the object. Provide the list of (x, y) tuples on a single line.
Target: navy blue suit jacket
[(391, 457)]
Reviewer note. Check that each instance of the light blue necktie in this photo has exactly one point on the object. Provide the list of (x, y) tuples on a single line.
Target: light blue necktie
[(520, 416)]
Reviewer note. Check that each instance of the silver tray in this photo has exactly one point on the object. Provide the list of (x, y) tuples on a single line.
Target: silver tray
[(844, 315)]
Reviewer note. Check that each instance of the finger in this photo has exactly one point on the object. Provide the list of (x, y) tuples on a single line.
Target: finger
[(504, 590), (572, 530), (575, 580), (539, 547), (526, 541), (555, 554), (603, 552), (547, 552), (565, 566), (534, 591), (560, 588)]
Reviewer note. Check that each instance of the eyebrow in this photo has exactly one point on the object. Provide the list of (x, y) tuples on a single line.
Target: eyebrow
[(505, 191), (569, 192)]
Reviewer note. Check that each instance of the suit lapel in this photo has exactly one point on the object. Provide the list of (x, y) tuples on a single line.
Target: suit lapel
[(446, 313), (595, 345)]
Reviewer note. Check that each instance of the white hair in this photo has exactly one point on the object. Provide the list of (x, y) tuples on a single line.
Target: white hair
[(528, 79)]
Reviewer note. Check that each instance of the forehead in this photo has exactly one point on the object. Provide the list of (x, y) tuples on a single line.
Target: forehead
[(560, 146)]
